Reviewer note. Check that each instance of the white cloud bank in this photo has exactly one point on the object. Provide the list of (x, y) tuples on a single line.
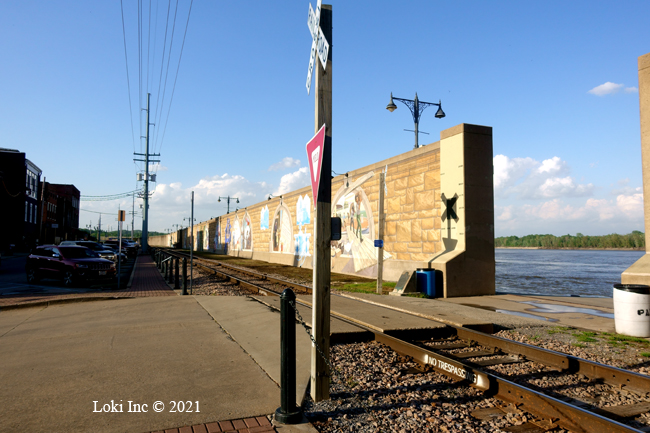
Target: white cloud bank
[(534, 197), (293, 181), (610, 88), (286, 162), (526, 178), (595, 216)]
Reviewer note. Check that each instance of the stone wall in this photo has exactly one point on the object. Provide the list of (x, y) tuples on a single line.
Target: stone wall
[(439, 215)]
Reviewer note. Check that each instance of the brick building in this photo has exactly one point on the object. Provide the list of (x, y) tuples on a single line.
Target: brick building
[(60, 214), (19, 201)]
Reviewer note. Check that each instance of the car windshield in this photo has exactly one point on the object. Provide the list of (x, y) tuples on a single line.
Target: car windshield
[(77, 253)]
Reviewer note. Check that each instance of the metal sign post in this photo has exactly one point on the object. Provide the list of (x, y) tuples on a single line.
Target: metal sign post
[(120, 220), (380, 244), (320, 25), (192, 245)]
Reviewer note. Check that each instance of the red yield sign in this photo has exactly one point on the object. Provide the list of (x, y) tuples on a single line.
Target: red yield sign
[(315, 157)]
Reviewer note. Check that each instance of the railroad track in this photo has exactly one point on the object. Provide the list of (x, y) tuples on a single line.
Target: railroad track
[(482, 361)]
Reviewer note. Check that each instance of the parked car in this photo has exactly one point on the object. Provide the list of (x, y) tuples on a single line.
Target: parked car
[(70, 263), (130, 249), (101, 250), (122, 255)]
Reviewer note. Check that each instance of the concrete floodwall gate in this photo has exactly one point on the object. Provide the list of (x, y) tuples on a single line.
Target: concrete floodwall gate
[(439, 207)]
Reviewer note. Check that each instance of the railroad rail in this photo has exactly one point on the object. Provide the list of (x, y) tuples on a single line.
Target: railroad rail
[(464, 355)]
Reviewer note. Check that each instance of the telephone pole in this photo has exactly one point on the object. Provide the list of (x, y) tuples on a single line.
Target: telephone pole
[(145, 209)]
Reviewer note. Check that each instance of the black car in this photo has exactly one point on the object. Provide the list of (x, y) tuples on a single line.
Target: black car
[(101, 250), (72, 264), (130, 249)]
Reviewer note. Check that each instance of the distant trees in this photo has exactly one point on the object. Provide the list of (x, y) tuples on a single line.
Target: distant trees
[(636, 239)]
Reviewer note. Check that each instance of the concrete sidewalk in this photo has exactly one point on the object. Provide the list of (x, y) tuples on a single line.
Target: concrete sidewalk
[(57, 361)]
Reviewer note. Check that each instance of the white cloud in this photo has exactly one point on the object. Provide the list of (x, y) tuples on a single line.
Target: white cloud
[(157, 167), (553, 165), (594, 216), (286, 162), (610, 88), (527, 178), (507, 171), (564, 187), (606, 89), (293, 181)]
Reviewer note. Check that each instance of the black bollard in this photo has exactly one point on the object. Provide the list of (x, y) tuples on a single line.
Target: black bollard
[(184, 291), (176, 277), (288, 413), (171, 270)]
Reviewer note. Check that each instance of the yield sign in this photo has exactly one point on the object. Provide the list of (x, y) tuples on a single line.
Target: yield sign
[(315, 157)]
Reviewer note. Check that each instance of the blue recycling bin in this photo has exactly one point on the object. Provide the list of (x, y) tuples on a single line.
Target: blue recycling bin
[(426, 282)]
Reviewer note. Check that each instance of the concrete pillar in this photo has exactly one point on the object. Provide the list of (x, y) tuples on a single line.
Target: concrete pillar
[(639, 272)]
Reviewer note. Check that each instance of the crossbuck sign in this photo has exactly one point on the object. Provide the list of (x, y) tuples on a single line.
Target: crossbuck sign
[(319, 43)]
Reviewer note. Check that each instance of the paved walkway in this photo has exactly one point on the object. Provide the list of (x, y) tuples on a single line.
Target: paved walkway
[(145, 281)]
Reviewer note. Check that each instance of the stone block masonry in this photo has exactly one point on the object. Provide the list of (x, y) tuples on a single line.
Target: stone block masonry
[(439, 206)]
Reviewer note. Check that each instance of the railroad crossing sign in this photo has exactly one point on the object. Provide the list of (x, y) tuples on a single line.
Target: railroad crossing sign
[(319, 43), (315, 158)]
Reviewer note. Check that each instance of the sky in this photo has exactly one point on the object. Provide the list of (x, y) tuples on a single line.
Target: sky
[(557, 81)]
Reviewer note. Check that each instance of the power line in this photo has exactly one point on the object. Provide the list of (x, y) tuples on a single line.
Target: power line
[(176, 78), (128, 81), (169, 57), (108, 197)]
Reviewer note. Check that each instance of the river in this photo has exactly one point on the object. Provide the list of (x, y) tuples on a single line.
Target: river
[(561, 272)]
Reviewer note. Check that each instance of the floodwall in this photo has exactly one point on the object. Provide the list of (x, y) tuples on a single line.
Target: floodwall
[(439, 206)]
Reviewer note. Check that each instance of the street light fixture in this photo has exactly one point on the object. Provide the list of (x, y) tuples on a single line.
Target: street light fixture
[(228, 201), (417, 107)]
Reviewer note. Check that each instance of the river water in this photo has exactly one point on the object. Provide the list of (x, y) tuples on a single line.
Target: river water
[(561, 272)]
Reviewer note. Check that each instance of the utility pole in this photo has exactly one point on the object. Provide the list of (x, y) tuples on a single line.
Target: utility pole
[(132, 215), (99, 229), (320, 373), (43, 211), (145, 211), (192, 244)]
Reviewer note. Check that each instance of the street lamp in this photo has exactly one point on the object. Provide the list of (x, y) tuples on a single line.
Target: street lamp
[(228, 200), (417, 107)]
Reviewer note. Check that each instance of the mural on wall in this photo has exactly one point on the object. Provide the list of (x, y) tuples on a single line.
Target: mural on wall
[(227, 232), (247, 233), (235, 235), (217, 235), (282, 235), (303, 217), (264, 218), (357, 227), (206, 238)]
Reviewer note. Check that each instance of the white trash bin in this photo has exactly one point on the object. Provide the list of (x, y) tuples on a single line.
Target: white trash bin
[(632, 309)]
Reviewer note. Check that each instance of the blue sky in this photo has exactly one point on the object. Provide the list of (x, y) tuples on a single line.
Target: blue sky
[(557, 81)]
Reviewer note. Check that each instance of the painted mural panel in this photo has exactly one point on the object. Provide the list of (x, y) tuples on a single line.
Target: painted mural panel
[(303, 217), (264, 218), (206, 238), (217, 235), (358, 233), (282, 235), (235, 233), (247, 233), (227, 233)]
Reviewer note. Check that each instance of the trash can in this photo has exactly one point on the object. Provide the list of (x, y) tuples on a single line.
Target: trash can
[(632, 309), (426, 281)]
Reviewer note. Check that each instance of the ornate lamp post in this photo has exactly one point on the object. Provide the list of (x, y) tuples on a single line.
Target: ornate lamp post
[(417, 107), (228, 201)]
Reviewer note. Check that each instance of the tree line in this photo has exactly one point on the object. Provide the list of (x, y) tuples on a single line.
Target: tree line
[(636, 239)]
